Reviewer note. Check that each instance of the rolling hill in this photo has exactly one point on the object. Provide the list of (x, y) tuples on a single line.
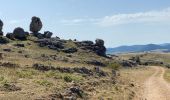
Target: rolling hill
[(140, 48)]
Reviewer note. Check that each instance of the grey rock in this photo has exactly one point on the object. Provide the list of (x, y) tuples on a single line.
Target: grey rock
[(19, 33), (35, 25), (83, 70), (10, 36), (99, 42), (40, 36), (19, 45), (70, 50), (95, 62), (52, 43), (47, 34), (128, 63), (7, 50), (1, 26), (42, 67), (97, 48), (77, 91), (100, 50)]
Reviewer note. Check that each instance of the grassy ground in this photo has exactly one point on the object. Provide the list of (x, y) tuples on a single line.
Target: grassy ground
[(36, 84)]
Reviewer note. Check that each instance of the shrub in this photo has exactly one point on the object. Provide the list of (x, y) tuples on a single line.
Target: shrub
[(72, 77), (68, 78), (114, 65)]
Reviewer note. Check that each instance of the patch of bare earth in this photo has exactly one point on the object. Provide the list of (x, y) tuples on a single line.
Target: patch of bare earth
[(155, 87), (130, 81)]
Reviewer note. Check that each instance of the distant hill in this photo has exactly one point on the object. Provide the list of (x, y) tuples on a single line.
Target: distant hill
[(140, 48)]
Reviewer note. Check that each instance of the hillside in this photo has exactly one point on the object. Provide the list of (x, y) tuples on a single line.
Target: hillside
[(38, 66), (140, 48)]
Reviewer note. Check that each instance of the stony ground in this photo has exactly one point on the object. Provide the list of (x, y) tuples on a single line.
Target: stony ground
[(39, 73), (32, 72)]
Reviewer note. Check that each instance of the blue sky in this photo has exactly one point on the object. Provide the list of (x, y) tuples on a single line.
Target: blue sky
[(118, 22)]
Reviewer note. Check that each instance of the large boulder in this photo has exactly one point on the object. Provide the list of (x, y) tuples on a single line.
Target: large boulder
[(1, 26), (10, 36), (128, 63), (47, 34), (99, 42), (20, 34), (100, 49), (35, 25)]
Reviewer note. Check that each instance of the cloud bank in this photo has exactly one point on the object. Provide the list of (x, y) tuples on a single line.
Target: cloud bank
[(155, 16), (139, 17)]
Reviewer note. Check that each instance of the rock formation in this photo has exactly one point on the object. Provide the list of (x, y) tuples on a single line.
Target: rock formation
[(1, 26), (54, 43), (100, 49), (35, 25)]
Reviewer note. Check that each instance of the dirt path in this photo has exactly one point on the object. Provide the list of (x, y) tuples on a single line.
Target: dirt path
[(156, 88)]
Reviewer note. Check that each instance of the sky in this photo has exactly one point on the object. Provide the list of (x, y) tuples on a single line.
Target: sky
[(118, 22)]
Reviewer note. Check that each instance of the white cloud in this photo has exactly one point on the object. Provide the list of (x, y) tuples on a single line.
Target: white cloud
[(156, 16), (140, 17)]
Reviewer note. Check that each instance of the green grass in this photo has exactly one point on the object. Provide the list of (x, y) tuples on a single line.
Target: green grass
[(27, 73), (65, 76), (114, 65), (3, 80), (45, 83)]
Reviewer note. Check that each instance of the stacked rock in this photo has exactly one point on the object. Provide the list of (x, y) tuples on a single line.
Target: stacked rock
[(35, 25), (100, 49), (1, 26)]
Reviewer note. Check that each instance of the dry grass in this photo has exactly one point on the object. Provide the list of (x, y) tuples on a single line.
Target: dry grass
[(35, 84), (167, 75)]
